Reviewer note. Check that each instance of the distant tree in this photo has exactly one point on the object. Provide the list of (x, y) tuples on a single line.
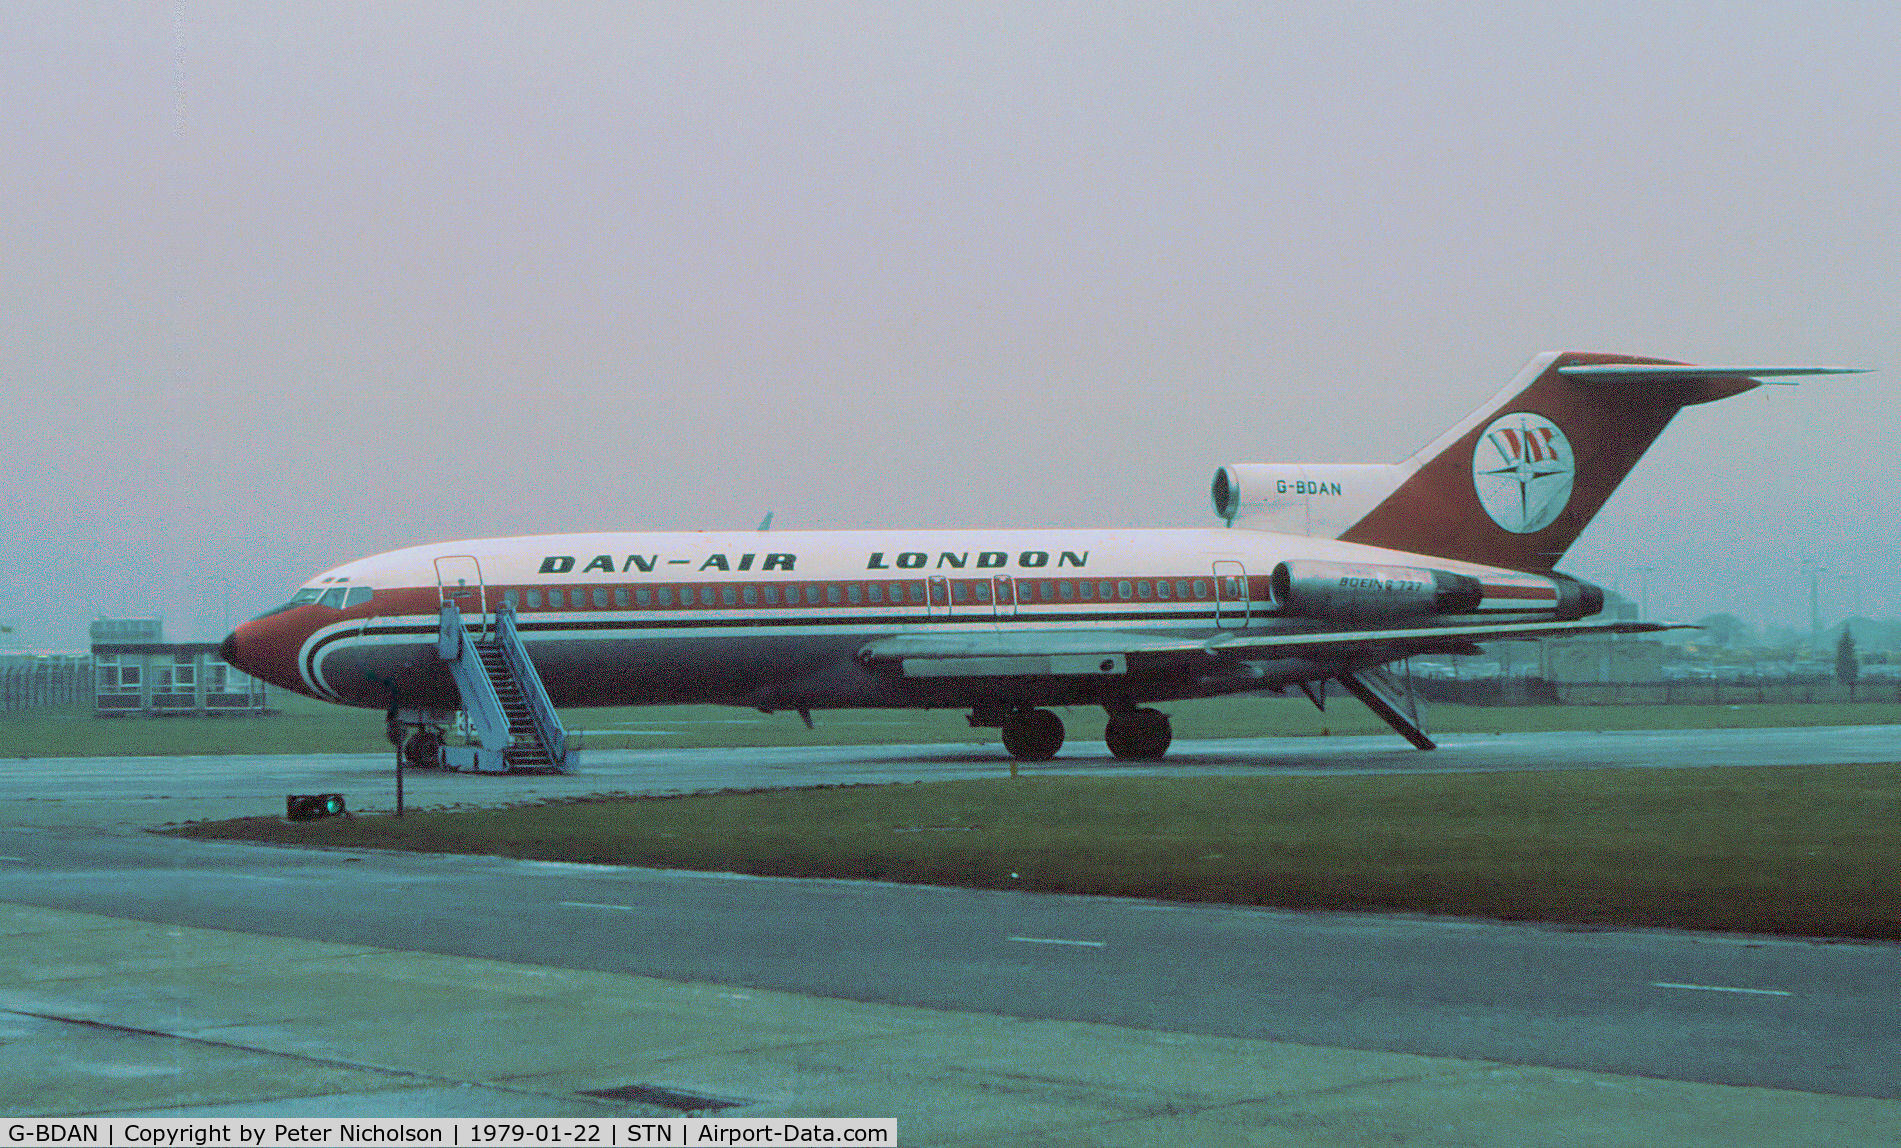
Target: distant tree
[(1847, 668)]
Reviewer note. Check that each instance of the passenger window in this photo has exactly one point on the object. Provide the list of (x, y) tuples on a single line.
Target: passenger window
[(706, 595), (874, 593), (644, 597), (831, 594), (1125, 590), (751, 595), (622, 599), (917, 594), (811, 595), (1181, 589), (664, 595), (1201, 589), (1067, 590), (1161, 589), (534, 599), (729, 596), (1142, 590), (361, 594), (1086, 591), (555, 600), (960, 593), (332, 597), (772, 595), (983, 591), (601, 599), (1105, 591)]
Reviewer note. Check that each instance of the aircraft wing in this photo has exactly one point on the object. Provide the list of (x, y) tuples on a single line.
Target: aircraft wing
[(1089, 654)]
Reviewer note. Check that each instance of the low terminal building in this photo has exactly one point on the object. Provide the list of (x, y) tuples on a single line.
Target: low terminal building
[(135, 671)]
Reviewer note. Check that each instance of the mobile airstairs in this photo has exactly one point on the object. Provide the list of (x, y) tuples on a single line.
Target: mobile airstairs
[(511, 721)]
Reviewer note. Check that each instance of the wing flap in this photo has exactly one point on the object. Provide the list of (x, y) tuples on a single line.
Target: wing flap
[(1101, 652)]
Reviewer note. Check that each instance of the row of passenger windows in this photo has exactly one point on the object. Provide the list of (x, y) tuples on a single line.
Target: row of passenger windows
[(937, 592)]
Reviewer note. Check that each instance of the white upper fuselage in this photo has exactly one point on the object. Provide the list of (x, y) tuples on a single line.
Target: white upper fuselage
[(780, 619)]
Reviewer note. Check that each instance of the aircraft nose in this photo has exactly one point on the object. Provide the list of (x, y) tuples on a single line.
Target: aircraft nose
[(265, 649)]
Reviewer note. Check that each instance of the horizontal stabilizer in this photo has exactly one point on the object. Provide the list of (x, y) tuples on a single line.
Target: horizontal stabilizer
[(1673, 372)]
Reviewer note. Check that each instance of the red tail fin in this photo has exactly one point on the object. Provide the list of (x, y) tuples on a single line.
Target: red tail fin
[(1517, 481)]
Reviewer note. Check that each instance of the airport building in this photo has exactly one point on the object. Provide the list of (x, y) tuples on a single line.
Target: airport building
[(135, 671)]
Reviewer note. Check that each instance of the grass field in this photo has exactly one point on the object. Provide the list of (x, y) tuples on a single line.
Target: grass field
[(306, 726), (1787, 850)]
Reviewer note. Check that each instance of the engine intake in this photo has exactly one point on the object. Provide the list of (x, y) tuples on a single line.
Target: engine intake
[(1340, 592)]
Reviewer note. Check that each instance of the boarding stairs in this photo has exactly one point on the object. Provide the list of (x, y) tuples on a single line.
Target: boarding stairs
[(512, 720)]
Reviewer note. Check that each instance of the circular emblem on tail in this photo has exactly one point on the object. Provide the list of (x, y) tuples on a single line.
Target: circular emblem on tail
[(1522, 470)]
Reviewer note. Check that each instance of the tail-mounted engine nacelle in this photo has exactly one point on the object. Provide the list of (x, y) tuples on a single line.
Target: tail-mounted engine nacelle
[(1576, 598), (1340, 592)]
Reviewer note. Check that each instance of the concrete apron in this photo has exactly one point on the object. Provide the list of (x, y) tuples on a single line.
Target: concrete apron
[(108, 1017)]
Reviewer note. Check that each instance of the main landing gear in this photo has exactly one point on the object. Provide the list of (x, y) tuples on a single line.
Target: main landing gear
[(1032, 735), (1035, 735), (1138, 734)]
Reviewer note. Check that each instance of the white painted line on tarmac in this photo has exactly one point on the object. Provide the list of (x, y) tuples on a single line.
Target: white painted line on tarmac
[(1720, 989), (22, 860), (597, 905), (1058, 941)]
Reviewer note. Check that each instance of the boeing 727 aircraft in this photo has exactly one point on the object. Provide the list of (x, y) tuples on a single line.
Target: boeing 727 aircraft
[(1317, 573)]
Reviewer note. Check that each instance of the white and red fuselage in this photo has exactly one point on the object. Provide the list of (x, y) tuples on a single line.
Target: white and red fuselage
[(780, 620)]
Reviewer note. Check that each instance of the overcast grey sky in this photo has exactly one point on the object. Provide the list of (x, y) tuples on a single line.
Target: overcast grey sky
[(283, 285)]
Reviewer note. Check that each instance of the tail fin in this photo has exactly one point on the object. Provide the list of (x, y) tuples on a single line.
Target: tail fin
[(1518, 481)]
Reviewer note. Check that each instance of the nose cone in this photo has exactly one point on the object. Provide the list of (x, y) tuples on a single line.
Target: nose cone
[(265, 648)]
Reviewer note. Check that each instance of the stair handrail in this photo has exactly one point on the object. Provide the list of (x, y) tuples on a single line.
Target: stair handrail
[(540, 707), (456, 646)]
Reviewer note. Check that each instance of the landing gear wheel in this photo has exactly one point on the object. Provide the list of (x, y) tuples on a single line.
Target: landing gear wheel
[(423, 750), (1032, 735), (1141, 735)]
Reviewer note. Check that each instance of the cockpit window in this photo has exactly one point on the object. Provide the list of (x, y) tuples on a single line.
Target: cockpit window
[(307, 594), (358, 595), (332, 597)]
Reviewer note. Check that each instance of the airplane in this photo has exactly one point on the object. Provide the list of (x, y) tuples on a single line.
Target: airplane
[(1315, 573)]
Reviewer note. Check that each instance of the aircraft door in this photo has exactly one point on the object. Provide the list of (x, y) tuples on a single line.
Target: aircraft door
[(939, 596), (459, 580), (1231, 595), (1003, 596)]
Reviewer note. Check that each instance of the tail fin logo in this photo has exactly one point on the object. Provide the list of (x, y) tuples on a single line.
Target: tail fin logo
[(1522, 469)]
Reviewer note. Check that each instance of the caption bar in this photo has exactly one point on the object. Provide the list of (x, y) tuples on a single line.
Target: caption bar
[(196, 1132)]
